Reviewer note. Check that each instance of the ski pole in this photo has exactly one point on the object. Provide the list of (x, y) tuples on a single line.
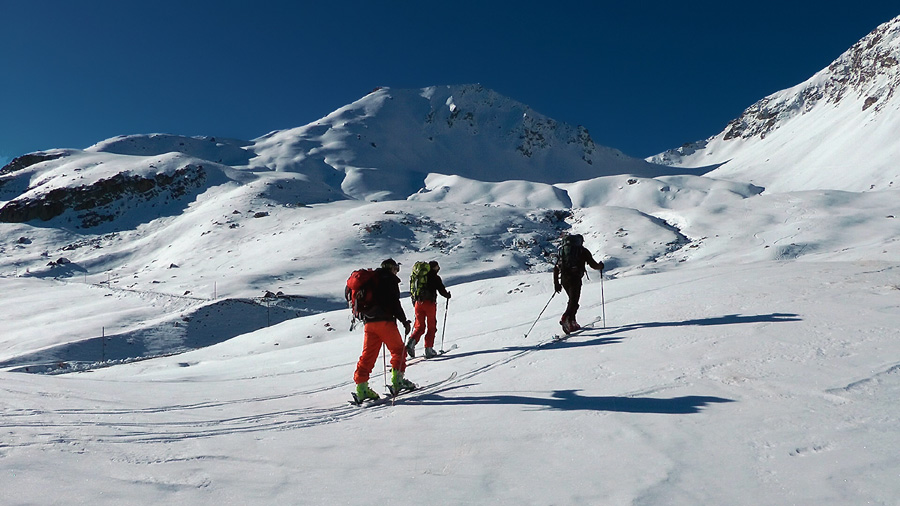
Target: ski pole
[(539, 315), (384, 363), (444, 330), (602, 300)]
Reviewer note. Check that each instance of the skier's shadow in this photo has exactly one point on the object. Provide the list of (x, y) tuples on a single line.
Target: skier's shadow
[(547, 344), (731, 319), (570, 400), (603, 336), (609, 336)]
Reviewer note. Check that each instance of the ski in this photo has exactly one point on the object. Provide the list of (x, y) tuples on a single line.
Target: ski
[(556, 338), (403, 394), (422, 358), (366, 402)]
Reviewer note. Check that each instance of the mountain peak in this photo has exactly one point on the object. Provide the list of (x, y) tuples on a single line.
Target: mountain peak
[(869, 69), (385, 144), (867, 73), (791, 140)]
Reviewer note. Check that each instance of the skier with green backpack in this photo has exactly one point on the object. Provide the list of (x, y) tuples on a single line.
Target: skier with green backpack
[(567, 274), (424, 287)]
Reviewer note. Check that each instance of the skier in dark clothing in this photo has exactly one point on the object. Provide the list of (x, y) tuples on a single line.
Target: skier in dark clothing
[(567, 274), (425, 304)]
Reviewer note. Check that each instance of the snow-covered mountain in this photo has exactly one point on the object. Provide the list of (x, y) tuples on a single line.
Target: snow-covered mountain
[(837, 130), (180, 301), (381, 147), (385, 144)]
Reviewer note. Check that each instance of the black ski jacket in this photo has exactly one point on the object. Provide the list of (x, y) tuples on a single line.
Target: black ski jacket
[(578, 273), (387, 305), (434, 285)]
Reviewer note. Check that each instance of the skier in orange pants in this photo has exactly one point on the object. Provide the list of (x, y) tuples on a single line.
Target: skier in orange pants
[(425, 303), (381, 328), (378, 333)]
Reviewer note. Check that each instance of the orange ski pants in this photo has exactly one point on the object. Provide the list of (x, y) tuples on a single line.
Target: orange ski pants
[(376, 334), (426, 317)]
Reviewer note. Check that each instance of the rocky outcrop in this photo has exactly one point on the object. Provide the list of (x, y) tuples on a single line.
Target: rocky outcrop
[(19, 164), (95, 204), (25, 161), (868, 71), (865, 76)]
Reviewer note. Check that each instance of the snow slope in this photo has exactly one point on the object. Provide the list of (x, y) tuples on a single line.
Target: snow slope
[(749, 356), (837, 130), (193, 346), (745, 384)]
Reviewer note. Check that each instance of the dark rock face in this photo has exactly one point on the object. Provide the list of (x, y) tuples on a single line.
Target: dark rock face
[(25, 161), (96, 203), (18, 164), (868, 69), (868, 73)]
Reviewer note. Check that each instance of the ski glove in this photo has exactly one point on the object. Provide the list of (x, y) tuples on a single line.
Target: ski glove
[(557, 287), (407, 325)]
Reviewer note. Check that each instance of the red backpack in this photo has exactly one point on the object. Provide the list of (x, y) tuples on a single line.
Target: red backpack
[(360, 292)]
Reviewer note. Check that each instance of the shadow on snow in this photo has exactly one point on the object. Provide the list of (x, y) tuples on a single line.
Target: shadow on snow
[(570, 400), (206, 326), (732, 319), (609, 336)]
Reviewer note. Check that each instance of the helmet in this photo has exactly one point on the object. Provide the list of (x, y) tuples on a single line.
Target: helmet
[(389, 264)]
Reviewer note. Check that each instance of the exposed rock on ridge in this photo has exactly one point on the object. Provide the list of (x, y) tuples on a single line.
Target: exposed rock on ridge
[(94, 204), (812, 136)]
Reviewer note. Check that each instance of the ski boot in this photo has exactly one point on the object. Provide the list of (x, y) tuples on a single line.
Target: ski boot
[(411, 347), (430, 353), (364, 393), (573, 325), (399, 383), (566, 324)]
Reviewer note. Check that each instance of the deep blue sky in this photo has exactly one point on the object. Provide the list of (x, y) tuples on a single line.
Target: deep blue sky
[(641, 76)]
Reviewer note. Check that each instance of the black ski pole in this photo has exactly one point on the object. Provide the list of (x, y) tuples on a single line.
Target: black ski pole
[(602, 299), (444, 330), (384, 363), (539, 315)]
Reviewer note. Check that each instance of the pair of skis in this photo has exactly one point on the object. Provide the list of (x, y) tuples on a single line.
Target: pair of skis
[(562, 337), (423, 357), (394, 395), (402, 394), (566, 335)]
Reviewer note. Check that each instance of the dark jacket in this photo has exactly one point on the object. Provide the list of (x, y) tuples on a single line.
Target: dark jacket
[(433, 286), (387, 305), (578, 273)]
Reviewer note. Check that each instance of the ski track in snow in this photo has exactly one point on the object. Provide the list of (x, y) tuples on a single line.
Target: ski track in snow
[(102, 425), (107, 430)]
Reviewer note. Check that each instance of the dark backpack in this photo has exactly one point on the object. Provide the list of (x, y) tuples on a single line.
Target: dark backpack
[(418, 279), (360, 292), (570, 258)]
